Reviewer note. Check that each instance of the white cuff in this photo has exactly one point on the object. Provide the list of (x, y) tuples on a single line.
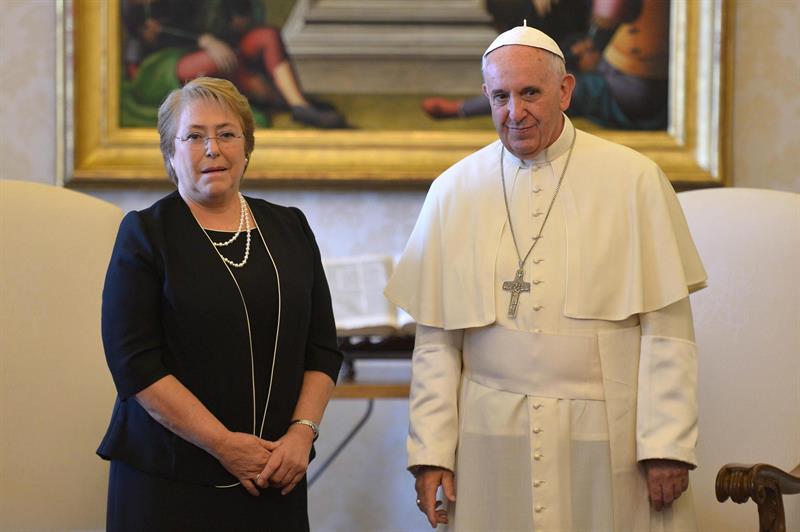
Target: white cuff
[(666, 412)]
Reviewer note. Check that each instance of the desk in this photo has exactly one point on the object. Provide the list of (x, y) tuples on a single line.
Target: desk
[(355, 388), (384, 374), (373, 384)]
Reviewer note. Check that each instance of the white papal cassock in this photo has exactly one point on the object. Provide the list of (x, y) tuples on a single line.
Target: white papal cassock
[(545, 416)]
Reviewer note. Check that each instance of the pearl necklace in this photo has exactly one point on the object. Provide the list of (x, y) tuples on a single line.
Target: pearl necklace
[(244, 220), (242, 217)]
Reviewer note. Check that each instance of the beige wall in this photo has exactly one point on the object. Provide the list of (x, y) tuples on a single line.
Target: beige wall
[(766, 141), (28, 90)]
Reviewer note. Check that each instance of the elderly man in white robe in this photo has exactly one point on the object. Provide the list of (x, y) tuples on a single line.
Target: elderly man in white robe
[(554, 371)]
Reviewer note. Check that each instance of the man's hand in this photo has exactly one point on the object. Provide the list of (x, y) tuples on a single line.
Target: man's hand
[(429, 478), (666, 481)]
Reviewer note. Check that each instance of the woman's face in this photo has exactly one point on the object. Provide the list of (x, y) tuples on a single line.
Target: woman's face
[(209, 171)]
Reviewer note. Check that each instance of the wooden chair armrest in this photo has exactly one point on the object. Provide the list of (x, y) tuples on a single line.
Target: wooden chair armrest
[(763, 483), (741, 482)]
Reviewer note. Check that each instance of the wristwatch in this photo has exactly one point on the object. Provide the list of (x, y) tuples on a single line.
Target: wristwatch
[(308, 423)]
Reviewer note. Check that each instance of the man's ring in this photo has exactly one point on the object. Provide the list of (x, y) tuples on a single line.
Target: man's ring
[(258, 477)]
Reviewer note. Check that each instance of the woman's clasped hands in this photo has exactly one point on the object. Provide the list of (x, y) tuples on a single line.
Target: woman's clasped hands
[(244, 456), (259, 463), (288, 462)]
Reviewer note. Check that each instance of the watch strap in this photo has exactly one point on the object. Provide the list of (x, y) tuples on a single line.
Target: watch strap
[(308, 423)]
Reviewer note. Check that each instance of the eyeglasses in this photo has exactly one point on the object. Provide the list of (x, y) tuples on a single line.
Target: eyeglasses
[(196, 140)]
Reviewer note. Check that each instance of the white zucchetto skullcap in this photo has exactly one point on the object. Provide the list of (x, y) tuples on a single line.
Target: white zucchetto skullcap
[(525, 36)]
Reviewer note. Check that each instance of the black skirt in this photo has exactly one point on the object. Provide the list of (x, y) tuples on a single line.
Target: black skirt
[(139, 502)]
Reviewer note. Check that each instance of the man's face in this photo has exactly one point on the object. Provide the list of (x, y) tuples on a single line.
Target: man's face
[(527, 98)]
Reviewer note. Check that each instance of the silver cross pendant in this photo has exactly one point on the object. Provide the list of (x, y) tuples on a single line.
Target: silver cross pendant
[(516, 287)]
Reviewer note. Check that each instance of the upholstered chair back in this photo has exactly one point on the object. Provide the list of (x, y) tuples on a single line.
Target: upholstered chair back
[(748, 331), (56, 394)]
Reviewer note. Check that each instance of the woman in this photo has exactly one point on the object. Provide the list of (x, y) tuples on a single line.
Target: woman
[(219, 334)]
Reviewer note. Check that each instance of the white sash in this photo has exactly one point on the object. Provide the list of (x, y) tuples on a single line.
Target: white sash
[(529, 363)]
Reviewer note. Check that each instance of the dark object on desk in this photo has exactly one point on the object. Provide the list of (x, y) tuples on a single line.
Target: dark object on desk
[(373, 347), (763, 483)]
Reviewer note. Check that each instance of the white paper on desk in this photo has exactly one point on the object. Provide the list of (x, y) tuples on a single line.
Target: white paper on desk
[(360, 308)]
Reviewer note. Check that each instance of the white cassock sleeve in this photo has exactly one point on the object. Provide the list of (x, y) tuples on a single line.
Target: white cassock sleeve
[(433, 402), (666, 411)]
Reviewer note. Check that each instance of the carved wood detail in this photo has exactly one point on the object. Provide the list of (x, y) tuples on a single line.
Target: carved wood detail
[(765, 485)]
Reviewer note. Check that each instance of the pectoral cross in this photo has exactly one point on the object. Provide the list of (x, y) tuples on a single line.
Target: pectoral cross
[(516, 287)]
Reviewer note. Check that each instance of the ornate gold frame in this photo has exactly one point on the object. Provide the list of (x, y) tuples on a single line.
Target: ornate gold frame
[(694, 152)]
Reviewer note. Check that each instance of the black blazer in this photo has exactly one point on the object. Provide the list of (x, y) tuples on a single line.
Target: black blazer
[(170, 306)]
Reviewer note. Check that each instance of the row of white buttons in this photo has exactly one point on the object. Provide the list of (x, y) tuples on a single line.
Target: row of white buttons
[(537, 308), (536, 190), (538, 455)]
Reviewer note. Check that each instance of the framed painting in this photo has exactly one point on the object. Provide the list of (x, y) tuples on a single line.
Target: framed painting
[(347, 93)]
